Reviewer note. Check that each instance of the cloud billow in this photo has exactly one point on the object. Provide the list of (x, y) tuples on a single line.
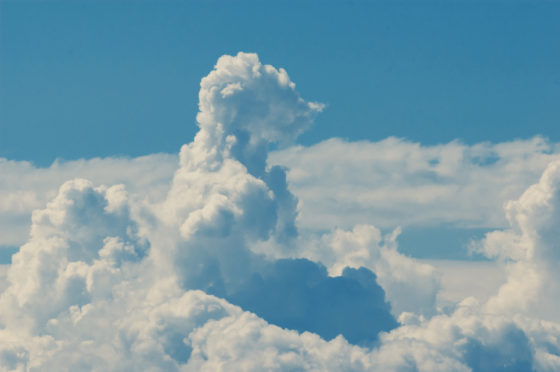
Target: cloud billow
[(244, 107), (106, 282), (211, 272)]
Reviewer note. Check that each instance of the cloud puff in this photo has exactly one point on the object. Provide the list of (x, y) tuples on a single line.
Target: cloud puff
[(79, 246), (223, 200), (254, 102), (84, 295), (108, 282), (244, 107), (466, 340), (24, 187), (530, 250)]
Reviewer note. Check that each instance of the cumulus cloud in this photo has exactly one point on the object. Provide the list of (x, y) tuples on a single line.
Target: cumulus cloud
[(466, 340), (208, 271), (24, 187), (223, 200), (108, 281), (530, 250), (338, 184), (517, 329), (256, 103), (79, 245)]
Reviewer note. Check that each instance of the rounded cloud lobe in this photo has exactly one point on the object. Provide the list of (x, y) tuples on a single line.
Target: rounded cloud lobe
[(530, 250), (216, 276)]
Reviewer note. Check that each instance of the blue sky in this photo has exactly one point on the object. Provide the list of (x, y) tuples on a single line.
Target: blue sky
[(431, 71)]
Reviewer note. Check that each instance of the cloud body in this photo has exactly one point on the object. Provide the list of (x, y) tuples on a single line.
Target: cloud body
[(395, 182), (223, 200), (338, 184), (530, 250), (209, 268), (24, 187), (110, 282)]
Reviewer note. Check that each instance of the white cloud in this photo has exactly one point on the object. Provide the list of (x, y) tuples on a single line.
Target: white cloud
[(247, 343), (243, 97), (222, 197), (338, 184), (224, 201), (517, 328), (145, 276), (83, 295), (395, 182), (24, 187), (78, 249), (530, 250), (106, 279), (468, 339)]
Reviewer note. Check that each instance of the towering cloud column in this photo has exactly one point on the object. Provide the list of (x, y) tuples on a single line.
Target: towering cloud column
[(223, 197)]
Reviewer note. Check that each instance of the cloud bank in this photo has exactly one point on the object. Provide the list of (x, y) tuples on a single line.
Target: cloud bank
[(209, 268), (395, 182), (338, 184)]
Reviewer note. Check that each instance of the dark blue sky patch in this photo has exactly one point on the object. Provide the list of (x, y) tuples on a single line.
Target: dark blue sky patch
[(509, 353), (441, 242), (6, 253), (298, 294)]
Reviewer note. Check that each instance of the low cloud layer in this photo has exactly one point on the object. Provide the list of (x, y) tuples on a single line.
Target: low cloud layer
[(210, 268), (341, 184), (395, 182)]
